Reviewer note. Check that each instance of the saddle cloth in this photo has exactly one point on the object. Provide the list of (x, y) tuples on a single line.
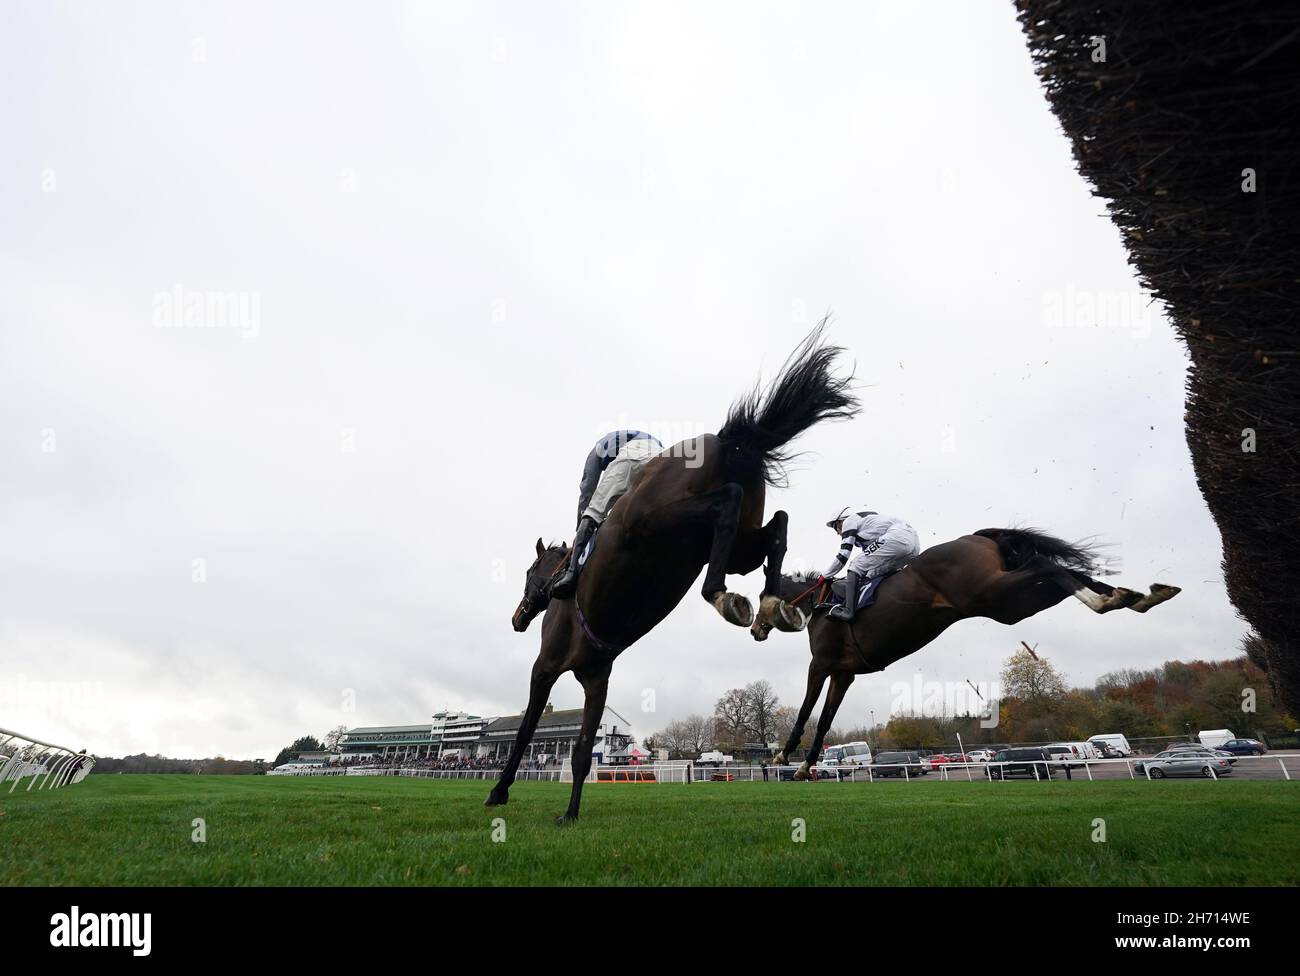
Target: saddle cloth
[(866, 595), (591, 547)]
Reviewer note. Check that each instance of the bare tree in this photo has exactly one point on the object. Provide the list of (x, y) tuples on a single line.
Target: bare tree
[(333, 736), (762, 706), (732, 717)]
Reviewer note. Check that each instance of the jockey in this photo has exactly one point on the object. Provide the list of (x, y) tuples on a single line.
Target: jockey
[(886, 544), (606, 477)]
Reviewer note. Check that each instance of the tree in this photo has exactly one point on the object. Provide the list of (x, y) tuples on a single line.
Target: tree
[(333, 736), (1031, 679), (762, 704), (697, 735), (731, 718), (307, 743)]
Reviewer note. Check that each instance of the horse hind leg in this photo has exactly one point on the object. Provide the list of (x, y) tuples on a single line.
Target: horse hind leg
[(1117, 599), (1097, 596), (1160, 592)]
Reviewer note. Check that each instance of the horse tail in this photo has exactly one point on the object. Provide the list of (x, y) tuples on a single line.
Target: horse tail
[(761, 423), (1019, 547)]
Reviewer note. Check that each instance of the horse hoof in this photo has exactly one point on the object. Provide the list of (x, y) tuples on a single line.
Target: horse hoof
[(801, 773), (790, 620), (735, 608), (1160, 592), (497, 798), (779, 759), (564, 819)]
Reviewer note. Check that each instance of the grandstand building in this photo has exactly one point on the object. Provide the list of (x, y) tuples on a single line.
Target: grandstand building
[(557, 734), (461, 734), (450, 733)]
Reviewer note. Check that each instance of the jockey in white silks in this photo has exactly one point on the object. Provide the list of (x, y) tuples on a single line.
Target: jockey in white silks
[(606, 477), (884, 544)]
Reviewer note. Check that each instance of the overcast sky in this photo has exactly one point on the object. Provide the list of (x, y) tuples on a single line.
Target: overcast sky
[(463, 240)]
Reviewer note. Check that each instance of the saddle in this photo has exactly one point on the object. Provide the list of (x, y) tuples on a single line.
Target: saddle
[(866, 593)]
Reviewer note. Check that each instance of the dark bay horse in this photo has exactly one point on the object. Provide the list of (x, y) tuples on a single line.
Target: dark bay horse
[(1003, 574), (697, 504)]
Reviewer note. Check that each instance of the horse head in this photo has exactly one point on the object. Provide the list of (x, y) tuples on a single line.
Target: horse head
[(537, 583)]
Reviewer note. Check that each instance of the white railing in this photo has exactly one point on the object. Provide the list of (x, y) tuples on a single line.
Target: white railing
[(549, 775), (43, 764), (689, 772)]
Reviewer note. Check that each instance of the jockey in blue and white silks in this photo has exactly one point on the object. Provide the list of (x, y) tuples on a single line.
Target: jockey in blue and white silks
[(885, 543), (606, 476)]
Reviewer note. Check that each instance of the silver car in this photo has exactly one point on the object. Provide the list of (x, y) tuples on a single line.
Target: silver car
[(1184, 763)]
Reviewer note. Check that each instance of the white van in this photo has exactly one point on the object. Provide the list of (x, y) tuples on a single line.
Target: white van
[(854, 754), (1080, 750), (1214, 738), (1115, 740), (715, 758)]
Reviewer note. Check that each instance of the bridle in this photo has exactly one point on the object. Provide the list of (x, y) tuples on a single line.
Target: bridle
[(543, 589), (821, 597)]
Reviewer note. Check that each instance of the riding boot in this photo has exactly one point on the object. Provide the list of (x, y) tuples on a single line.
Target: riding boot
[(567, 584), (849, 607)]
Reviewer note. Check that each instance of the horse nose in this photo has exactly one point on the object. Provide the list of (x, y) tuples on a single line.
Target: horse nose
[(517, 620)]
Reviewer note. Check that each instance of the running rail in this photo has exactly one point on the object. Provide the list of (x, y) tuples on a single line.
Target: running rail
[(24, 757)]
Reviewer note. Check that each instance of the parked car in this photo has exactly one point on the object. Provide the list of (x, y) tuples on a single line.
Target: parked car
[(1205, 751), (1244, 747), (1183, 762), (1032, 762), (1108, 751), (981, 755), (899, 764), (1065, 757), (1115, 740)]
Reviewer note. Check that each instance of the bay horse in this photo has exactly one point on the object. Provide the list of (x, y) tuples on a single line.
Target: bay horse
[(696, 504), (1006, 575)]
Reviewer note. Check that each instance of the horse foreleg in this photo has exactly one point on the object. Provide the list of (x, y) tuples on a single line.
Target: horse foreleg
[(816, 680), (772, 610), (723, 507), (539, 690), (840, 681), (595, 682)]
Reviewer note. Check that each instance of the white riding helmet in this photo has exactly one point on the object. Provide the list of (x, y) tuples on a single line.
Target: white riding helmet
[(844, 513)]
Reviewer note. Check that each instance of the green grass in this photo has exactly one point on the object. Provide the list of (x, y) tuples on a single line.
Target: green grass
[(134, 830)]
